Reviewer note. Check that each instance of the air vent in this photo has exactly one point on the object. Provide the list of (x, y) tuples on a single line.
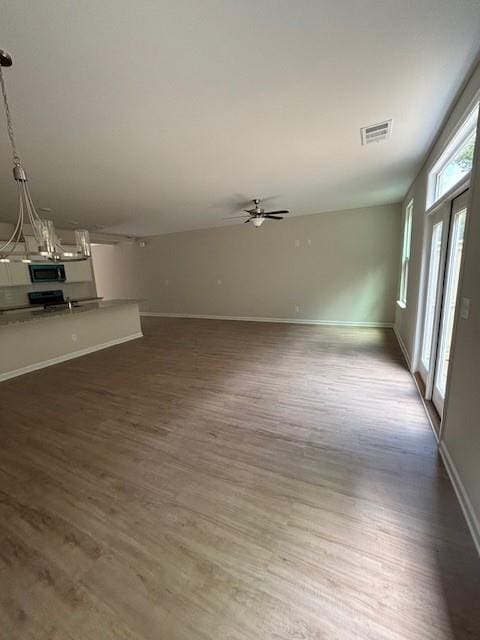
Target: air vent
[(376, 132)]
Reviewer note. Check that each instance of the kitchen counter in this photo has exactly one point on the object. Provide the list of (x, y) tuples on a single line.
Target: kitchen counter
[(10, 317), (38, 338), (32, 307)]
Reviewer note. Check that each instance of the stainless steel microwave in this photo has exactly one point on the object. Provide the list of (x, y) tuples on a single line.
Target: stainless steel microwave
[(47, 272)]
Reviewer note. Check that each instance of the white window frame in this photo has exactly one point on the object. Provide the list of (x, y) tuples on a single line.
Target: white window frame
[(465, 129), (407, 241)]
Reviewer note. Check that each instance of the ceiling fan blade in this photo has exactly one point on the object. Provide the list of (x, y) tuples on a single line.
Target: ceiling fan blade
[(247, 221), (275, 212), (267, 215)]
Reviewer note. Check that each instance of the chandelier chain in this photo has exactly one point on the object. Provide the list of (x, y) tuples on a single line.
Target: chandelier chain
[(11, 135), (41, 232)]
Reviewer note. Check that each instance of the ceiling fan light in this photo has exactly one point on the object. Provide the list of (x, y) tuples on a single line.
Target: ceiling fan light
[(258, 221)]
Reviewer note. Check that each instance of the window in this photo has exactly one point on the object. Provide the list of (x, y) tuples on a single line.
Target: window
[(407, 238), (430, 307), (450, 298), (456, 161)]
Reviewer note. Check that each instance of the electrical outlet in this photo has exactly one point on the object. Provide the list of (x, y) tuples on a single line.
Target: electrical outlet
[(297, 309), (74, 337), (219, 282), (297, 243), (309, 242), (465, 308)]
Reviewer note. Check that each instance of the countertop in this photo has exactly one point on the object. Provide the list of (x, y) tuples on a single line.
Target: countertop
[(7, 319), (39, 306)]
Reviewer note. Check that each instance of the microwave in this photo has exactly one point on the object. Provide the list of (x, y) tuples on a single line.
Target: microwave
[(47, 272)]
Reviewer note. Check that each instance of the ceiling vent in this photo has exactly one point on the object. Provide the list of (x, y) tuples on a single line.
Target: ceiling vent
[(376, 132)]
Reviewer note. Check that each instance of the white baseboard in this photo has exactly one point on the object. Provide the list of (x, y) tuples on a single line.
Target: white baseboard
[(410, 368), (458, 486), (403, 347), (462, 495), (334, 323), (68, 356)]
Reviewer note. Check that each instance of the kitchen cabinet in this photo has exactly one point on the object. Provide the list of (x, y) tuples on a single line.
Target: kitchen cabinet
[(14, 274), (78, 271), (18, 273), (4, 277)]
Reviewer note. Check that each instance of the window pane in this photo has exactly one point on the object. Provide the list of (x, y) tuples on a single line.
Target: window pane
[(450, 300), (456, 161), (407, 236), (435, 251), (458, 166)]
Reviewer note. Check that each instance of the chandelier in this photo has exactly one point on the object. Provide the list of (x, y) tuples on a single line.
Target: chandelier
[(41, 242)]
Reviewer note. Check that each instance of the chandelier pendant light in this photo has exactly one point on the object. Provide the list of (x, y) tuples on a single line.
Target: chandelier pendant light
[(45, 246)]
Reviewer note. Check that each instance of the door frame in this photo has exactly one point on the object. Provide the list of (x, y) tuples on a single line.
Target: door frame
[(443, 211), (456, 209), (446, 199)]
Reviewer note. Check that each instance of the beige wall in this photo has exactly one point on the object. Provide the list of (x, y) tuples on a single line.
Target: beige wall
[(406, 319), (461, 423), (461, 431), (338, 266)]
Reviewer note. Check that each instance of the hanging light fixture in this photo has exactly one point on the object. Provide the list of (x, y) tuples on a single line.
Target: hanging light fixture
[(46, 245)]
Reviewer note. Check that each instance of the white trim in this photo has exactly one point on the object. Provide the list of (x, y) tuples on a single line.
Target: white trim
[(454, 476), (453, 143), (410, 368), (67, 356), (334, 323), (462, 495), (401, 304), (400, 341), (451, 194), (427, 412), (455, 129)]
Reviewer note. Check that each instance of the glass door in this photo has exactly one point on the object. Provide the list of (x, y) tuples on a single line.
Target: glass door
[(437, 229), (449, 301)]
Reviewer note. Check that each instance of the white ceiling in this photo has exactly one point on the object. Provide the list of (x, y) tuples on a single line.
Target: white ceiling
[(147, 117)]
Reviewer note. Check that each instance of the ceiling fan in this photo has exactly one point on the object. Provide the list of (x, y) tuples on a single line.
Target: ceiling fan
[(258, 215)]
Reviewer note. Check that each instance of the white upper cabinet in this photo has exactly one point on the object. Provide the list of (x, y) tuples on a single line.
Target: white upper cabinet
[(18, 274), (14, 274), (4, 277), (78, 271)]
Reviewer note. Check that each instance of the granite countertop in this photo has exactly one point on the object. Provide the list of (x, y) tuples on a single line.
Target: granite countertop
[(39, 306), (10, 318)]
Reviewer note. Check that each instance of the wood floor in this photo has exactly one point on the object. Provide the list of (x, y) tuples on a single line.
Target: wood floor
[(229, 481)]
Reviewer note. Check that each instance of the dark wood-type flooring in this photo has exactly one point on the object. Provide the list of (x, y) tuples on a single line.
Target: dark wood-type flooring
[(230, 481)]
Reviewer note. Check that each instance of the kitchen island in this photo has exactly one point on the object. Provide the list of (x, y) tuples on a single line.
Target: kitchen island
[(33, 339)]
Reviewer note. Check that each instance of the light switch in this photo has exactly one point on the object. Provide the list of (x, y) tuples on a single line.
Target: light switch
[(465, 308)]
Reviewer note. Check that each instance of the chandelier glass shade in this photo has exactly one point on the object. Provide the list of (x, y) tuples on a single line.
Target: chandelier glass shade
[(33, 238)]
